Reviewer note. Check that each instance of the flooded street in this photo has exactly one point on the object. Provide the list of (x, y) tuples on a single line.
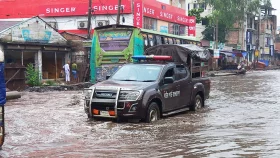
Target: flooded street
[(241, 119)]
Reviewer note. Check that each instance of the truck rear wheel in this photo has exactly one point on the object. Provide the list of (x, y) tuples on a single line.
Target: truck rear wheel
[(153, 113), (197, 104)]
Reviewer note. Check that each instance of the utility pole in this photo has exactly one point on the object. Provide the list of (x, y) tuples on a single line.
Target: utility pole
[(217, 42), (119, 11), (89, 19)]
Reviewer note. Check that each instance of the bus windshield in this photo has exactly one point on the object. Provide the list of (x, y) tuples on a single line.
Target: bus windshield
[(140, 73), (114, 40)]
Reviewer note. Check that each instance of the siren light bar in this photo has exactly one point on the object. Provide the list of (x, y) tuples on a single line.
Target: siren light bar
[(154, 57)]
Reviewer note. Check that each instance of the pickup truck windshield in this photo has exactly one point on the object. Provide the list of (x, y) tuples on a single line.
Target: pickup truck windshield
[(140, 73)]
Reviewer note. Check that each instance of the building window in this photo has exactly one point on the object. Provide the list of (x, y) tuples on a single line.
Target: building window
[(195, 5), (150, 23), (182, 30), (175, 29)]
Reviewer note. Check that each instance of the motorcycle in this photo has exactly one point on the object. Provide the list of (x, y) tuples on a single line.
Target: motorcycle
[(240, 70)]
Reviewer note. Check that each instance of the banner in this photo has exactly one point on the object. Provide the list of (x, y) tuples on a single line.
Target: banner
[(216, 53), (138, 14), (170, 14), (64, 8), (271, 50)]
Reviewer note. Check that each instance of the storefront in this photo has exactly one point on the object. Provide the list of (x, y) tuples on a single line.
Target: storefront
[(35, 42), (164, 18)]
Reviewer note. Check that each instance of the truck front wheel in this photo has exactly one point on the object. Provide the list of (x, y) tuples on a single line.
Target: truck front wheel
[(197, 104), (153, 113)]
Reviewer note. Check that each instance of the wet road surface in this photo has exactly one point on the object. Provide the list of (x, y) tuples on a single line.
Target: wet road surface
[(241, 119)]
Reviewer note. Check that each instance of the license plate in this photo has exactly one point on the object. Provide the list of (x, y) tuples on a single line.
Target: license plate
[(104, 113)]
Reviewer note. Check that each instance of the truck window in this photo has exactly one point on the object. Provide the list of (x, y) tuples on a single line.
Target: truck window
[(137, 72), (180, 72), (169, 73)]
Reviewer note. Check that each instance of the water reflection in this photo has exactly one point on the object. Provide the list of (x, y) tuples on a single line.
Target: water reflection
[(241, 119)]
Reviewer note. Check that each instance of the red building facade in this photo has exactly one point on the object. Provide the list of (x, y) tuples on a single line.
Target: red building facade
[(68, 14)]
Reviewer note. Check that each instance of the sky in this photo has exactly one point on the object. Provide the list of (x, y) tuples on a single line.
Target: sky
[(276, 5)]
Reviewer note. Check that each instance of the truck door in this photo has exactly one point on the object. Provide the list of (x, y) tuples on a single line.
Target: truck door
[(182, 76), (169, 90)]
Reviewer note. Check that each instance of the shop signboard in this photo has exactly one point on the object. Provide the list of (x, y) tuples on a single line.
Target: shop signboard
[(216, 53), (191, 31), (164, 29), (271, 50), (248, 37), (169, 15), (64, 8), (138, 13)]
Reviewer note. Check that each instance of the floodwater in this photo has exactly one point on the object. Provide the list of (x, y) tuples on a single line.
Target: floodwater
[(241, 119)]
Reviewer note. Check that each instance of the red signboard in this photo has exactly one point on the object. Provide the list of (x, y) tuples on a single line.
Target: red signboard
[(168, 15), (27, 9), (110, 7), (63, 9), (138, 13), (191, 30)]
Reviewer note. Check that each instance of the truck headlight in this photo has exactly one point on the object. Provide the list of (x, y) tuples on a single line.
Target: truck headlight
[(87, 93), (129, 95)]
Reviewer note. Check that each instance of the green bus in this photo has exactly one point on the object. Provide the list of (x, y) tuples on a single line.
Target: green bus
[(114, 45)]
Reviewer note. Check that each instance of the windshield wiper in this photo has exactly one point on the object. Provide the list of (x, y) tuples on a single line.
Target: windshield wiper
[(148, 80)]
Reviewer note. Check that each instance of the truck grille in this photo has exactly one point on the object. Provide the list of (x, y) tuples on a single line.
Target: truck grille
[(105, 94), (104, 99)]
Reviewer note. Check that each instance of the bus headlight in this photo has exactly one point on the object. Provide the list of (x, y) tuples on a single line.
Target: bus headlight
[(129, 95)]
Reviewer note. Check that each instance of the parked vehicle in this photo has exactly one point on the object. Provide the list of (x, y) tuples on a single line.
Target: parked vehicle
[(114, 45), (2, 98), (153, 86)]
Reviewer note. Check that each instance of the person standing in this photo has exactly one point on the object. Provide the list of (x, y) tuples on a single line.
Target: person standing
[(75, 71), (67, 72)]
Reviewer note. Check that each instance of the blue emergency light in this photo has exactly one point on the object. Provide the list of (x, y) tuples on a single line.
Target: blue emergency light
[(152, 57)]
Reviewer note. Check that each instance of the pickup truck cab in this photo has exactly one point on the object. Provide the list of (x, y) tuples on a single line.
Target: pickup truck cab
[(147, 91)]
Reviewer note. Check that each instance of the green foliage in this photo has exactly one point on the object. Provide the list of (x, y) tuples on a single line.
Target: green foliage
[(33, 78), (229, 12), (196, 13), (209, 33)]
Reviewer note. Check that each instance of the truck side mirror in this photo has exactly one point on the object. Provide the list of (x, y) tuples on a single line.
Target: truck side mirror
[(168, 80), (107, 77)]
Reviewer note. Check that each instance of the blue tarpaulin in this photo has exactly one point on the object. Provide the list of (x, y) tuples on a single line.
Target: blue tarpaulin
[(2, 85), (265, 61)]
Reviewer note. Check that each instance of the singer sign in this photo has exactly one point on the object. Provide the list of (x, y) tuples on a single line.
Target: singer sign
[(70, 9), (138, 13)]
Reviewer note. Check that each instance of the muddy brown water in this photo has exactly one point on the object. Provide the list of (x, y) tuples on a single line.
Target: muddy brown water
[(241, 119)]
